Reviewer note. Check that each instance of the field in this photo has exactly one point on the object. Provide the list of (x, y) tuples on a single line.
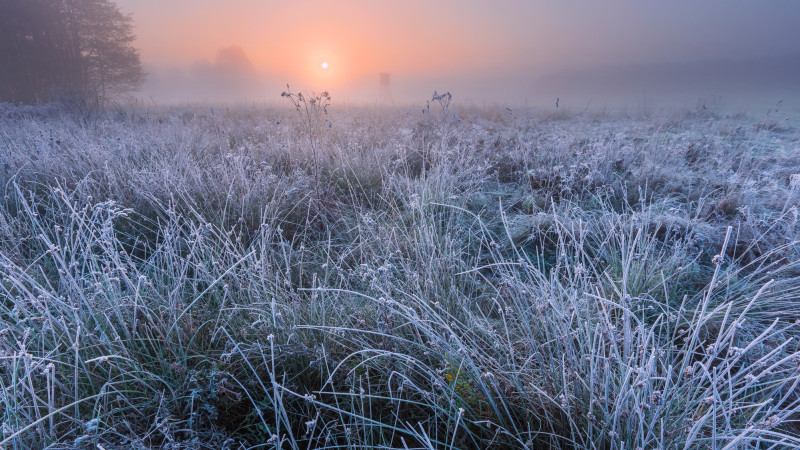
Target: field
[(367, 277)]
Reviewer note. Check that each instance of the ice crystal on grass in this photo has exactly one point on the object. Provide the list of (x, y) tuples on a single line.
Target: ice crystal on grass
[(381, 279)]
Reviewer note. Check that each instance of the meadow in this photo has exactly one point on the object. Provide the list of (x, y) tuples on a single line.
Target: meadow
[(260, 276)]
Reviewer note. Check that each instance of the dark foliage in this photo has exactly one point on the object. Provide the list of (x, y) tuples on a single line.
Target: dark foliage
[(56, 48)]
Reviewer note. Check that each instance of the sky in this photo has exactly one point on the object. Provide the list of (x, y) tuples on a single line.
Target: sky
[(482, 51)]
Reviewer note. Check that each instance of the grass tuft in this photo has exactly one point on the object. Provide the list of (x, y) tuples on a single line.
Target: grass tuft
[(177, 278)]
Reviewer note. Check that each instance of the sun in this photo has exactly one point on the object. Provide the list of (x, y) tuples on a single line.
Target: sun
[(325, 65)]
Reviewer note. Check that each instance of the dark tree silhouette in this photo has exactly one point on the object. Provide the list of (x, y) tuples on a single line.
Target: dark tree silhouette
[(50, 48), (106, 41), (38, 50)]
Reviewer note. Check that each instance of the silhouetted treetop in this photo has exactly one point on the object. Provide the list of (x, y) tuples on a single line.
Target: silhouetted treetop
[(52, 47)]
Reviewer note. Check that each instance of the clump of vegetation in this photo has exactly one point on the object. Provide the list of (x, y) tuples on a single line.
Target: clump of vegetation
[(187, 279), (312, 110)]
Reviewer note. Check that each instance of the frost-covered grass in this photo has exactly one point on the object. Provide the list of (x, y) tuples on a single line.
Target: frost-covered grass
[(187, 279)]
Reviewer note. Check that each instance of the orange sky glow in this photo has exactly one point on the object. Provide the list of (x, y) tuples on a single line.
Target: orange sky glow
[(493, 47), (293, 38)]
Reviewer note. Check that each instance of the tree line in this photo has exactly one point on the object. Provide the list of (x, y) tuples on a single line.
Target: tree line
[(53, 48)]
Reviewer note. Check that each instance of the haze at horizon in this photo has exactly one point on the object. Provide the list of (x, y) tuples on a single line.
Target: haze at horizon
[(508, 51)]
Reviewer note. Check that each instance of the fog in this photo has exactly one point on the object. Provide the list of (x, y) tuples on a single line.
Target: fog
[(518, 52)]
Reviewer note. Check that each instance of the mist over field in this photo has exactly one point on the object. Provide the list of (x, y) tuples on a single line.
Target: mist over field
[(506, 52), (412, 225)]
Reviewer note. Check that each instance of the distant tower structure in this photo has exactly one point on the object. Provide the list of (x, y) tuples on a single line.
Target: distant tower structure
[(385, 84)]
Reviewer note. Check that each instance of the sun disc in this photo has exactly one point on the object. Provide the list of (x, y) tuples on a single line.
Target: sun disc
[(325, 65)]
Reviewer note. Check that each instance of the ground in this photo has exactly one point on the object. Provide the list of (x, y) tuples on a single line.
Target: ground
[(228, 276)]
